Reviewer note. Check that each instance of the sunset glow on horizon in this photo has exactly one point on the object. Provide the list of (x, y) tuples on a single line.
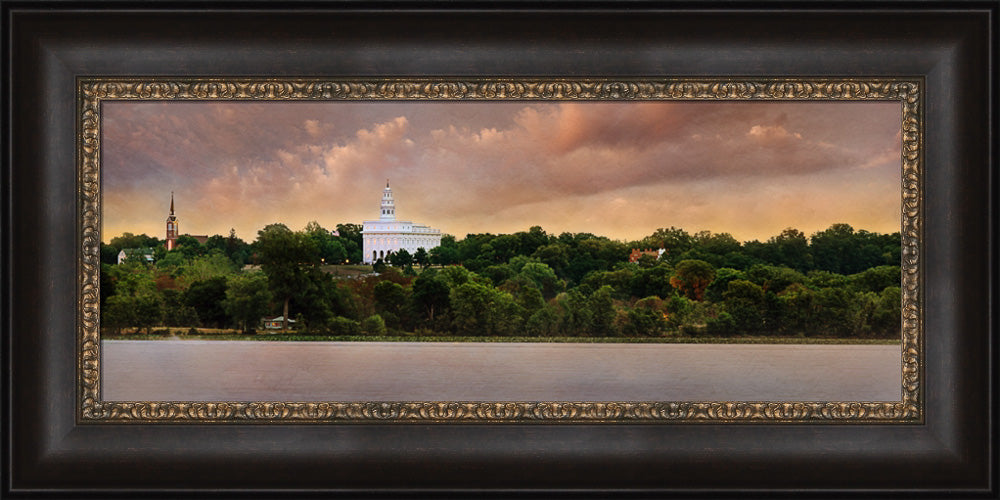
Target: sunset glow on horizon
[(616, 169)]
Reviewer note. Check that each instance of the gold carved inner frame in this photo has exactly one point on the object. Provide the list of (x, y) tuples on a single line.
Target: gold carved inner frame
[(92, 91)]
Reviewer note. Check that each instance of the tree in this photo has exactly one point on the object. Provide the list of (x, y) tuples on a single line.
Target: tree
[(744, 301), (422, 258), (175, 311), (876, 279), (529, 241), (648, 281), (577, 316), (119, 312), (390, 299), (247, 297), (373, 325), (331, 250), (791, 249), (129, 240), (544, 277), (206, 297), (214, 264), (886, 319), (555, 255), (446, 253), (351, 238), (400, 258), (286, 258), (109, 254), (692, 277), (543, 322), (837, 250), (236, 249), (644, 322), (189, 246), (148, 310), (721, 283), (674, 241), (603, 309), (431, 296), (774, 278), (497, 273), (482, 310)]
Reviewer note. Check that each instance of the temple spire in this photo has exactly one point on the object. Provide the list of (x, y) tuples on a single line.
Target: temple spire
[(171, 203), (388, 204)]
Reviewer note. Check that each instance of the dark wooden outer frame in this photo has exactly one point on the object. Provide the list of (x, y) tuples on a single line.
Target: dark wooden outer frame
[(45, 449)]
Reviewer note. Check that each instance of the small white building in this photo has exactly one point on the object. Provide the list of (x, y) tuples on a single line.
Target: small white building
[(382, 237), (145, 253)]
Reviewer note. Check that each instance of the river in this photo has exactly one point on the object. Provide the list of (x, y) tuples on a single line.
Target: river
[(209, 370)]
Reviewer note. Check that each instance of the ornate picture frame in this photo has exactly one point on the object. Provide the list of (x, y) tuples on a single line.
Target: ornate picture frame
[(92, 92)]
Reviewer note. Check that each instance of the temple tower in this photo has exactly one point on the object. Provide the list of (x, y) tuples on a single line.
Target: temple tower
[(388, 205)]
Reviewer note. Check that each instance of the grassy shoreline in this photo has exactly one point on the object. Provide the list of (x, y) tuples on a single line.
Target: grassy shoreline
[(584, 340)]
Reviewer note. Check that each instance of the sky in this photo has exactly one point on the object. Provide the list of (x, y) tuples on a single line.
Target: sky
[(616, 169)]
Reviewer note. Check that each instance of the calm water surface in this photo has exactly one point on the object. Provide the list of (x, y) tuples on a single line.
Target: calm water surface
[(208, 370)]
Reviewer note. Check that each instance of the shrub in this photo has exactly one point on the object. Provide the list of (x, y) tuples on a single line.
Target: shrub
[(373, 325), (344, 326)]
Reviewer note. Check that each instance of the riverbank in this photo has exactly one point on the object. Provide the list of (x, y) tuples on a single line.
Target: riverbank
[(178, 334)]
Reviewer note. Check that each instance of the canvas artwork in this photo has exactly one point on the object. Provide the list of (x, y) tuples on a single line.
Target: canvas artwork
[(481, 252)]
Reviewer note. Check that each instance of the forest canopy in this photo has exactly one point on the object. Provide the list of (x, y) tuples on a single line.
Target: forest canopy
[(835, 283)]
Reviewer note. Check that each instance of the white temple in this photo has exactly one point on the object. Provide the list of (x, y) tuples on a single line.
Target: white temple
[(387, 235)]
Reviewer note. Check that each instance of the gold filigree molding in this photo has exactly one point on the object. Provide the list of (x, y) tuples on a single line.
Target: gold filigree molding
[(92, 91)]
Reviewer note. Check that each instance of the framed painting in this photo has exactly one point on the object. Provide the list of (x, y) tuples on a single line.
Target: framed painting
[(568, 327), (592, 130)]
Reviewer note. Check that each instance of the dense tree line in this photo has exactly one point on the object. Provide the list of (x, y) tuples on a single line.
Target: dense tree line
[(835, 283)]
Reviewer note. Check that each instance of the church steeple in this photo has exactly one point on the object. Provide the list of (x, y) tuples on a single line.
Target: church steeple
[(388, 205), (171, 226)]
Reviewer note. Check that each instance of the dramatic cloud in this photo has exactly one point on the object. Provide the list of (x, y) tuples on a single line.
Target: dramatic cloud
[(619, 169)]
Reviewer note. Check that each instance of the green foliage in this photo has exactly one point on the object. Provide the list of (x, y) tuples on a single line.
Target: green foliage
[(692, 277), (876, 279), (543, 323), (744, 301), (721, 283), (431, 298), (213, 264), (838, 283), (479, 310), (401, 258), (129, 240), (446, 253), (603, 310), (206, 298), (774, 278), (329, 247), (390, 301), (109, 254), (247, 297), (544, 278), (422, 258), (286, 258), (344, 326), (373, 325)]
